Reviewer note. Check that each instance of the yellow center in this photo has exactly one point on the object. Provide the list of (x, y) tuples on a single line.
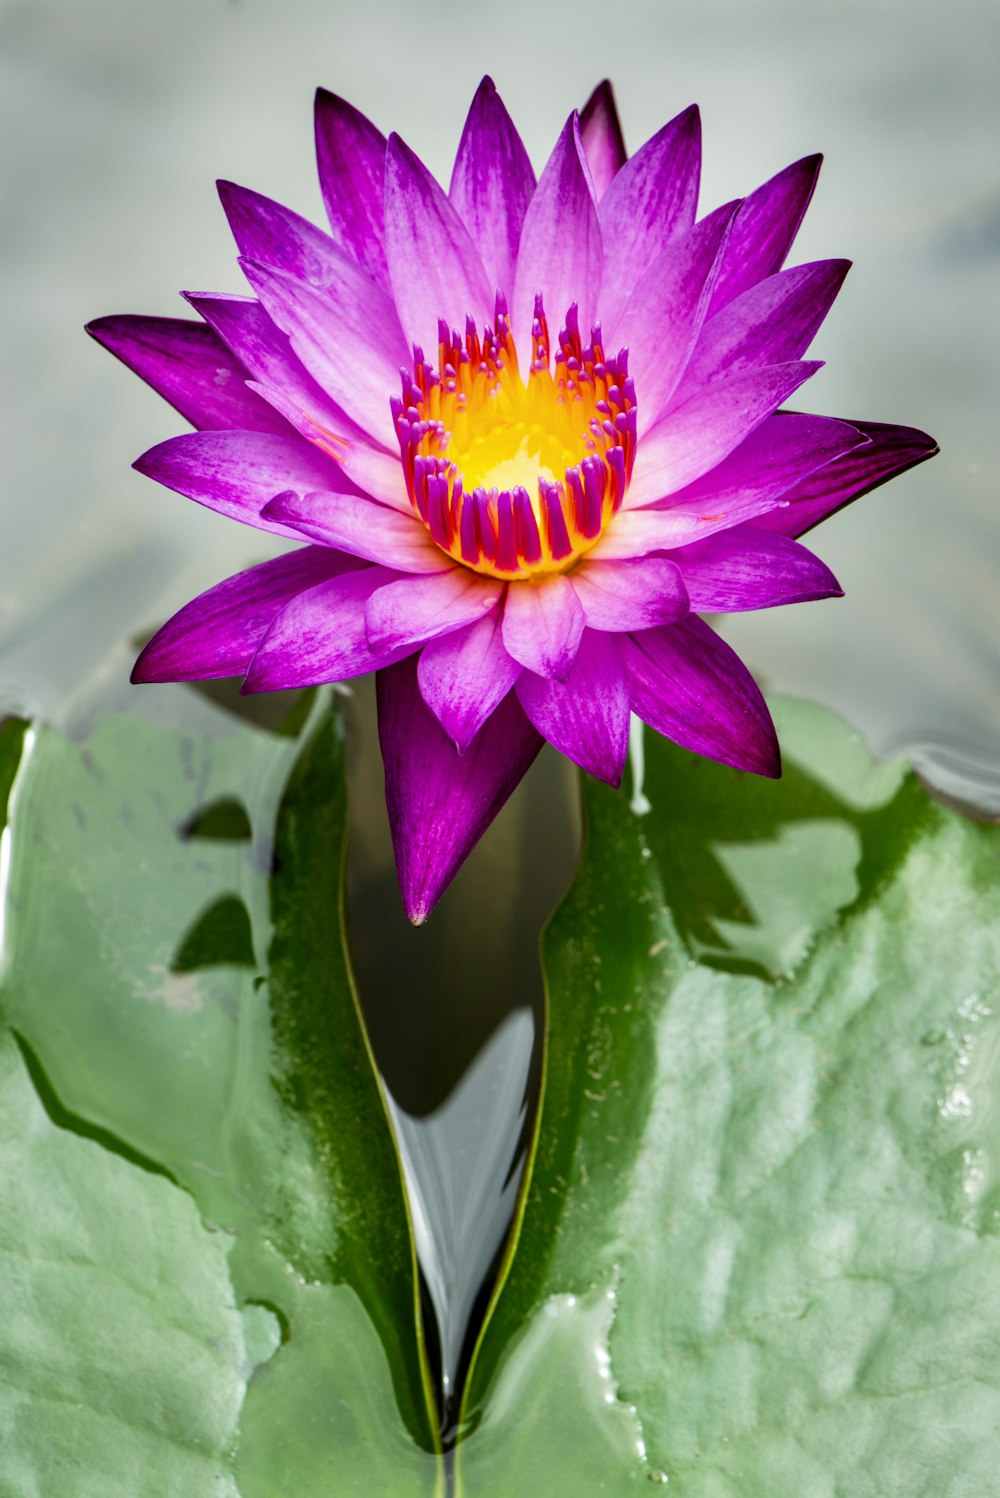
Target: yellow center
[(517, 479)]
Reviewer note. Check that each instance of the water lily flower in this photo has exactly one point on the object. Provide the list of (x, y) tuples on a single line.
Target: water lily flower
[(526, 433)]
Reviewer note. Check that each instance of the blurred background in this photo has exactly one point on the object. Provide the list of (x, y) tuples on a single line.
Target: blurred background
[(118, 115)]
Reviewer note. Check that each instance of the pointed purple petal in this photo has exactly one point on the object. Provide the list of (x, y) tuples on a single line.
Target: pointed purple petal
[(189, 366), (320, 636), (542, 625), (783, 450), (464, 676), (624, 596), (217, 633), (421, 608), (352, 523), (492, 184), (350, 155), (672, 298), (274, 235), (765, 229), (690, 686), (560, 253), (694, 437), (773, 322), (236, 473), (441, 802), (435, 269), (601, 135), (652, 199), (347, 339), (585, 717), (286, 384), (891, 450), (746, 568)]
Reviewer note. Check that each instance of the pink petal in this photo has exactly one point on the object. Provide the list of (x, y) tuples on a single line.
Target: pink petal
[(624, 596), (773, 322), (421, 608), (560, 254), (440, 802), (671, 298), (435, 269), (189, 366), (651, 200), (357, 525), (601, 135), (320, 636), (890, 450), (765, 229), (747, 568), (696, 436), (492, 184), (217, 633), (273, 235), (748, 483), (283, 382), (465, 675), (542, 625), (690, 686), (236, 473), (586, 717), (345, 338), (350, 155)]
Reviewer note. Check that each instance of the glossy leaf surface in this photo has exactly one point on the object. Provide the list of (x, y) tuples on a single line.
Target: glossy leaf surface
[(760, 1247), (175, 981)]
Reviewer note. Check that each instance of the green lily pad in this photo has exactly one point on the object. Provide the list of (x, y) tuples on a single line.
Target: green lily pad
[(176, 982), (768, 1148)]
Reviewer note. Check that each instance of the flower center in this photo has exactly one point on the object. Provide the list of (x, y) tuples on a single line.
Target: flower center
[(517, 479)]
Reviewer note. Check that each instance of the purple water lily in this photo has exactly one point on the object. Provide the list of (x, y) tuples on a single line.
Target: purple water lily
[(584, 453)]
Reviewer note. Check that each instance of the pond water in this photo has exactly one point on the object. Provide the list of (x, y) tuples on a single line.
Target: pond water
[(118, 117)]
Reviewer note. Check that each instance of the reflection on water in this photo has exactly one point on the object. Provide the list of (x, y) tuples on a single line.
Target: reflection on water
[(463, 1165)]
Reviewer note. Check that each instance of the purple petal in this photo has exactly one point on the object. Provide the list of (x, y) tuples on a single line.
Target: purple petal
[(765, 229), (274, 235), (690, 686), (361, 527), (345, 339), (189, 366), (435, 269), (782, 450), (283, 381), (441, 802), (236, 473), (773, 322), (560, 253), (696, 436), (890, 450), (586, 717), (652, 199), (421, 608), (350, 155), (671, 298), (746, 568), (623, 596), (217, 633), (465, 675), (601, 135), (492, 184), (542, 625), (320, 636)]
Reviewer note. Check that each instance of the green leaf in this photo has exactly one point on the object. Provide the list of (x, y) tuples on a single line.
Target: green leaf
[(760, 1246), (123, 1357), (176, 979)]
